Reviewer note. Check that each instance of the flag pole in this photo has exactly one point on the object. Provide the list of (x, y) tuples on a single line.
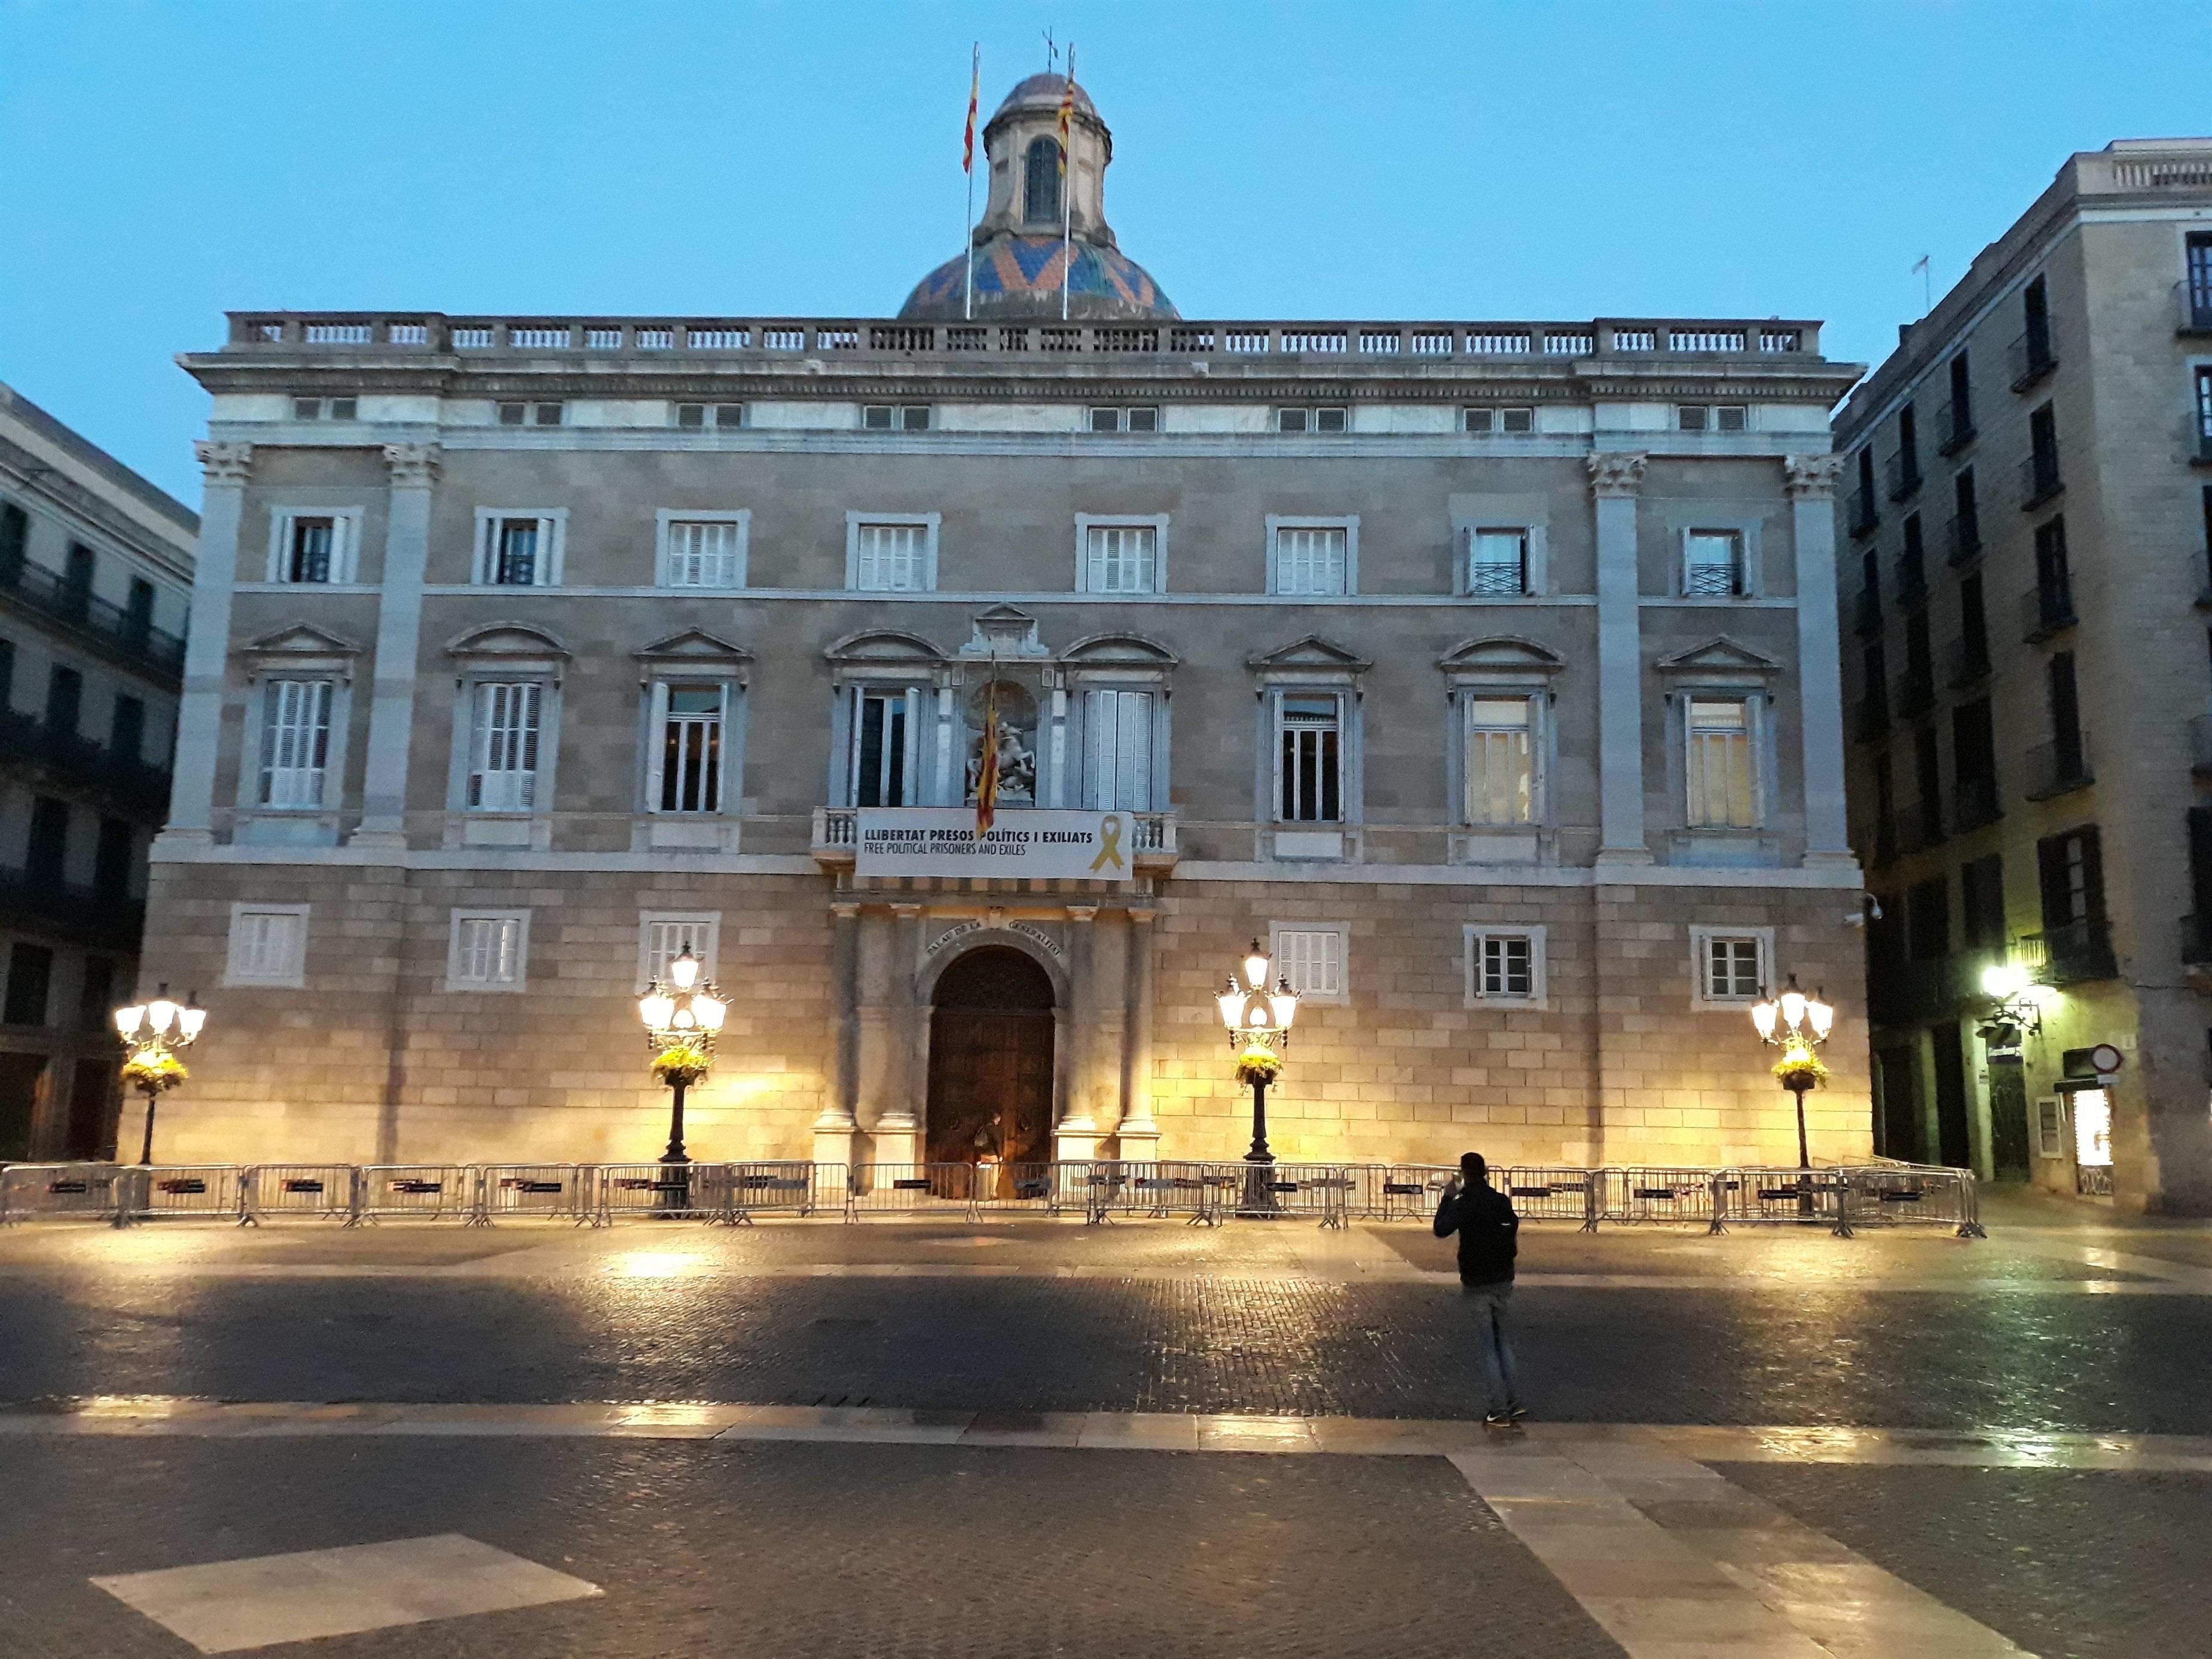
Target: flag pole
[(1066, 184), (968, 167)]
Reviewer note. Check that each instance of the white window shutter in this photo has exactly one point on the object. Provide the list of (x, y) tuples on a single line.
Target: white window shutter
[(722, 750), (656, 742), (912, 792), (1134, 782)]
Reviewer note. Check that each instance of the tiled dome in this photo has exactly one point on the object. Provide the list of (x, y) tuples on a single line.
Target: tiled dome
[(1018, 275)]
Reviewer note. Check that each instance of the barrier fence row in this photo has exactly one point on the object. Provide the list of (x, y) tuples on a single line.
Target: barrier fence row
[(1202, 1193)]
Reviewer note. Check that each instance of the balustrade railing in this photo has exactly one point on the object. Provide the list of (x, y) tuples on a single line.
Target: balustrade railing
[(115, 627)]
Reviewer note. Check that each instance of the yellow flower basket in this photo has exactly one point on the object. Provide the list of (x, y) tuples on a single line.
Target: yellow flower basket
[(153, 1073), (1258, 1064), (1800, 1068), (681, 1064)]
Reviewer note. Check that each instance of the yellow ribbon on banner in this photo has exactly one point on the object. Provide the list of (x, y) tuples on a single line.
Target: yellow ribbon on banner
[(1109, 843)]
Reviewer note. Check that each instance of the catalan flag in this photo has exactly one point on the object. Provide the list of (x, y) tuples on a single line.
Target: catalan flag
[(975, 93), (986, 770)]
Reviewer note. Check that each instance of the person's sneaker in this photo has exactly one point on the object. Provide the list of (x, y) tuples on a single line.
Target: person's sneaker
[(1515, 1413), (1498, 1420)]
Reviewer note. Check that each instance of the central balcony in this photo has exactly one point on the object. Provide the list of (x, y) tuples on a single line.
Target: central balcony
[(836, 837)]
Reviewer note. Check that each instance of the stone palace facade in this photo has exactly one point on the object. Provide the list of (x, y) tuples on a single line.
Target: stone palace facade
[(1487, 671)]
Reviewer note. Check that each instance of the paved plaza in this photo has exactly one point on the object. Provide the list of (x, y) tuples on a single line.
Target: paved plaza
[(1036, 1437)]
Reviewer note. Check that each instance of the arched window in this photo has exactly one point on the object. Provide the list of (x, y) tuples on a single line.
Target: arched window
[(1041, 183)]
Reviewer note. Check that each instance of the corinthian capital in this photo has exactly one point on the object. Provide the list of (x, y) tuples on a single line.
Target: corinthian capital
[(1617, 474), (1811, 477), (224, 462), (413, 465)]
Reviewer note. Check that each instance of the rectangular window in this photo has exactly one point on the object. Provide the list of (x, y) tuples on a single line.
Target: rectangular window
[(1311, 731), (1146, 419), (1312, 958), (1497, 562), (725, 416), (46, 856), (1719, 764), (2072, 869), (883, 728), (1117, 764), (268, 945), (308, 550), (1498, 420), (95, 1001), (891, 558), (1312, 559), (1501, 769), (64, 702), (488, 950), (113, 855), (1712, 563), (2203, 407), (1504, 964), (1981, 894), (1928, 920), (691, 749), (895, 417), (1121, 558), (1310, 420), (705, 553), (296, 741), (519, 549), (663, 937), (30, 979), (503, 746), (1731, 967)]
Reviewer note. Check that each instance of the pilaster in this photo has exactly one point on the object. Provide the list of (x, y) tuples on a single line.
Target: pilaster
[(1140, 1136), (1616, 481), (1075, 1137), (1810, 482), (226, 468), (898, 1128), (399, 641), (834, 1129)]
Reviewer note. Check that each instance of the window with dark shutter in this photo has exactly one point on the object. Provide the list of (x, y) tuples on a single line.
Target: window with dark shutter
[(1041, 182)]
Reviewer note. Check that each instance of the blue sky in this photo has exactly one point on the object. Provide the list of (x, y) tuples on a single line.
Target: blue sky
[(165, 161)]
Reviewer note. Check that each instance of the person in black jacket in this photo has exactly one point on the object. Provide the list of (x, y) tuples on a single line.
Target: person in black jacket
[(1489, 1238)]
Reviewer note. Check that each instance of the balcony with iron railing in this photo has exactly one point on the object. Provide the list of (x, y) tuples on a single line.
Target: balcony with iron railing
[(64, 760), (1954, 427), (1962, 539), (2074, 954), (394, 337), (1496, 579), (1903, 475), (1916, 691), (118, 632), (1866, 610), (2192, 305), (2031, 357), (2047, 609), (1865, 515), (2059, 766), (1967, 661), (1911, 577), (1974, 803), (1912, 989), (2039, 480), (34, 900)]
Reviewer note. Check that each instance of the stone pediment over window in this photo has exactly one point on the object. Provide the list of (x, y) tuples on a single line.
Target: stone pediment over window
[(1312, 653), (509, 645), (1502, 655), (1005, 633), (1118, 651), (1720, 655), (693, 646), (882, 645), (301, 648)]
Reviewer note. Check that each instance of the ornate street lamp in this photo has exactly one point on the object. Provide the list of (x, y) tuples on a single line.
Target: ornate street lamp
[(1259, 1022), (681, 1015), (1797, 1024), (153, 1033)]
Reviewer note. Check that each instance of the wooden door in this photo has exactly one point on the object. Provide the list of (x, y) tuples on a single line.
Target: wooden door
[(990, 1085)]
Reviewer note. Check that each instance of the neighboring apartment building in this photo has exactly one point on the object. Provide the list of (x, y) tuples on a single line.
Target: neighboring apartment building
[(2028, 506), (1486, 671), (95, 580)]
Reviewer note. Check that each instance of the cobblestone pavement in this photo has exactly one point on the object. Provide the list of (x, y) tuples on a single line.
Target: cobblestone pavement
[(768, 1547)]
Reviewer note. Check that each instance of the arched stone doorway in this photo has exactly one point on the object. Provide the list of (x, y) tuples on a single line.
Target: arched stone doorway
[(991, 1059)]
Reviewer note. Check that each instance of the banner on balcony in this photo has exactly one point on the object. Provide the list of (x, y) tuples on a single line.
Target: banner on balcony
[(1041, 843)]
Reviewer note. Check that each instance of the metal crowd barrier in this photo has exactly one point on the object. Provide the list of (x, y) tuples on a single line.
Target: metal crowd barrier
[(1780, 1194), (33, 1192), (1398, 1192), (912, 1189), (1157, 1190), (680, 1191), (553, 1192), (424, 1192), (1646, 1193), (1557, 1194), (1885, 1194), (799, 1186), (1321, 1192), (324, 1190), (170, 1191)]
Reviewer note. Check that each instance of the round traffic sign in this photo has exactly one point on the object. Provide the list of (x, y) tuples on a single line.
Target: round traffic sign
[(2105, 1058)]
